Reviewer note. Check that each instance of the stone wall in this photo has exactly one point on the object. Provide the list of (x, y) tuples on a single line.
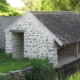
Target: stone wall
[(38, 40), (16, 74), (4, 23)]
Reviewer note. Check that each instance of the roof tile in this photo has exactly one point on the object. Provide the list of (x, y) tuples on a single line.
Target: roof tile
[(64, 24)]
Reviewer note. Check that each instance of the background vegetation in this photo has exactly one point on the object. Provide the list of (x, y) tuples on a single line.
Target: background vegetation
[(7, 10), (52, 5), (39, 5)]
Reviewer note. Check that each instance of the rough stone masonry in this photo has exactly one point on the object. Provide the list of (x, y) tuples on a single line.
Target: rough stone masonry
[(28, 37)]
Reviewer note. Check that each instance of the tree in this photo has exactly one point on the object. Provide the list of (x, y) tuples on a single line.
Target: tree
[(52, 5), (38, 5), (6, 9)]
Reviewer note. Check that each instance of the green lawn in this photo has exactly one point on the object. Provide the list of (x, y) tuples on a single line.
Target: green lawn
[(7, 63)]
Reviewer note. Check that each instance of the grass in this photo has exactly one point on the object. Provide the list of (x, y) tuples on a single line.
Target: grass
[(40, 71), (75, 76), (7, 63)]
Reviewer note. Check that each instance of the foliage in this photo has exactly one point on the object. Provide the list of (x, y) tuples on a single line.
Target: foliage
[(75, 76), (40, 71), (7, 10), (52, 5), (38, 5)]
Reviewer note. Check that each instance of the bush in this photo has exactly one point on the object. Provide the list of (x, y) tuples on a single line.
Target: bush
[(41, 70)]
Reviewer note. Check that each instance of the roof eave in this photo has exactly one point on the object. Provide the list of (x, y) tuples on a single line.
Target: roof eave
[(58, 41)]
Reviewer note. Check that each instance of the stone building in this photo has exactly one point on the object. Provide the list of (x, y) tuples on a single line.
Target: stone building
[(55, 35)]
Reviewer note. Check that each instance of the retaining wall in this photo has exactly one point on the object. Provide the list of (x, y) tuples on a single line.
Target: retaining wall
[(17, 74)]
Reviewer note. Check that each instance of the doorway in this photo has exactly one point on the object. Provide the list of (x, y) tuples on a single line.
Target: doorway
[(18, 45)]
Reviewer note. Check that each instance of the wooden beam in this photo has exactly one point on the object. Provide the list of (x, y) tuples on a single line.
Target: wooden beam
[(76, 50)]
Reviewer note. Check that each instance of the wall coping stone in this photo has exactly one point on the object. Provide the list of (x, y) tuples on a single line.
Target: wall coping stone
[(16, 73)]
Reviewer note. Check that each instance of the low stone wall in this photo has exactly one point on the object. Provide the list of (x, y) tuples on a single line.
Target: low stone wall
[(18, 74)]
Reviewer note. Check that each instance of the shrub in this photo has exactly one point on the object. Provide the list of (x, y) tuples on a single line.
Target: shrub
[(41, 70)]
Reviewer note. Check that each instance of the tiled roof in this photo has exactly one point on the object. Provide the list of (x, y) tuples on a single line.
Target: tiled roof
[(65, 25)]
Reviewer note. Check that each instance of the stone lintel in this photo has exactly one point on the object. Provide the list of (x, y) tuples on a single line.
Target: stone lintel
[(17, 31)]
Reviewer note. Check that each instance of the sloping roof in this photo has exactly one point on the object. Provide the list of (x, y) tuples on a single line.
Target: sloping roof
[(65, 25)]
